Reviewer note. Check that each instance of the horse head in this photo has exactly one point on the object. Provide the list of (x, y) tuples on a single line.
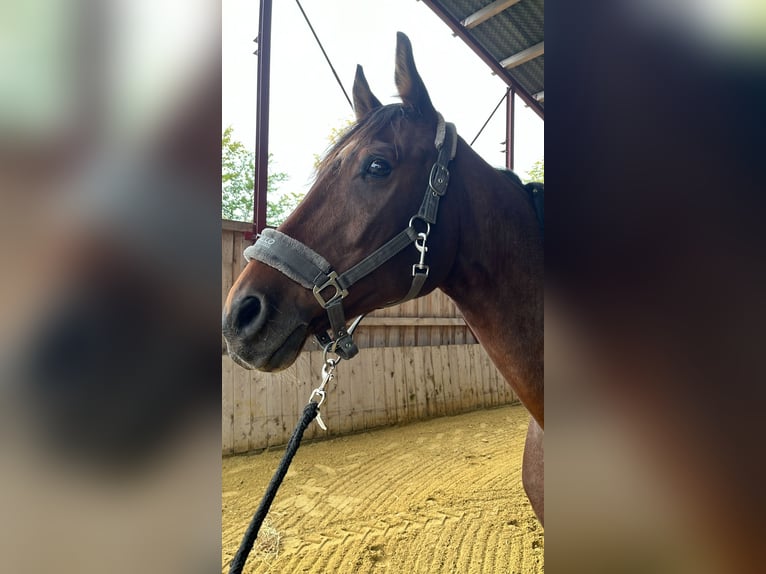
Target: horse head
[(368, 189)]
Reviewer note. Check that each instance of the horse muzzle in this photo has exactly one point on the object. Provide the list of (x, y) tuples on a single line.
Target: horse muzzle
[(255, 341)]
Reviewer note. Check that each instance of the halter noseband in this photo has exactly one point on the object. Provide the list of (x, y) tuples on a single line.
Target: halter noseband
[(309, 269)]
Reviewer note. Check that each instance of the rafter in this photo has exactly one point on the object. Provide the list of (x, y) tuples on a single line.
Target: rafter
[(487, 12), (524, 56)]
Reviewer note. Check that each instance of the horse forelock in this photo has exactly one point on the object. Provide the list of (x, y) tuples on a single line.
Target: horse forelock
[(361, 133)]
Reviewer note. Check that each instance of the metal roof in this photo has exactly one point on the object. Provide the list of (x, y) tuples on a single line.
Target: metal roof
[(508, 35)]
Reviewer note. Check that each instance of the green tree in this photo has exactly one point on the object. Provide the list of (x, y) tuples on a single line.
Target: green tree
[(537, 172), (334, 137), (278, 209), (237, 181)]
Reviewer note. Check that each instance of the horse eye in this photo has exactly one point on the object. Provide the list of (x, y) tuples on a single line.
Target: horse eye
[(378, 168)]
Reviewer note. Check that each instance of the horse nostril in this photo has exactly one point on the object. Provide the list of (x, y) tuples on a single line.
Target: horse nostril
[(248, 312)]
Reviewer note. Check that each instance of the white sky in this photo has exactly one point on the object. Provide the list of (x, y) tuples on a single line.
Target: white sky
[(306, 102)]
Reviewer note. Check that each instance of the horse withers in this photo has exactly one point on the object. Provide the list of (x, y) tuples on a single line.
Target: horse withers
[(347, 249)]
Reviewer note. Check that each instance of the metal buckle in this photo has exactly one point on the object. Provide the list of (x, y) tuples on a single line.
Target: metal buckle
[(340, 293), (439, 179)]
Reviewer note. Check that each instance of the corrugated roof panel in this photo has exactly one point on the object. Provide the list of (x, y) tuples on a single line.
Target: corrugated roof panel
[(509, 32)]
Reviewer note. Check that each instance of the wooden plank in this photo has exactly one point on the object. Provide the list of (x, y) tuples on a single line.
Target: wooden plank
[(482, 384), (432, 394), (240, 227), (368, 383), (436, 310), (446, 310), (466, 384), (274, 413), (408, 375), (354, 385), (241, 428), (424, 391), (291, 407), (344, 393), (393, 337), (423, 334), (367, 386), (238, 261), (472, 377), (462, 395), (409, 309), (400, 382), (446, 378), (380, 383), (362, 336), (396, 334), (432, 361), (392, 402), (378, 336), (421, 384), (227, 407), (261, 385)]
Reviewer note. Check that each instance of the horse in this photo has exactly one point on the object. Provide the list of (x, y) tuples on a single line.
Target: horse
[(476, 234)]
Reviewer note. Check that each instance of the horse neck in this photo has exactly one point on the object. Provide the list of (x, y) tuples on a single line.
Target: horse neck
[(497, 277)]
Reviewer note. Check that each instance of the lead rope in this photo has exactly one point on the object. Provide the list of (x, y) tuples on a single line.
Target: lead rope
[(310, 412)]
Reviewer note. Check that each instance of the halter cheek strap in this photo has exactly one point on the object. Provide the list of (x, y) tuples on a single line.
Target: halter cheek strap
[(309, 269)]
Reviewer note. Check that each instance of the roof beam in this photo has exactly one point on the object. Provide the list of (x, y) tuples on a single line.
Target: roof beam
[(489, 11), (524, 56), (482, 52), (539, 96)]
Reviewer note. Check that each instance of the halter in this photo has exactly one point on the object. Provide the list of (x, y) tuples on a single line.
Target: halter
[(309, 269)]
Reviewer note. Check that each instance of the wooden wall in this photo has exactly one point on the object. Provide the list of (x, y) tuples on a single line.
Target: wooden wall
[(419, 360)]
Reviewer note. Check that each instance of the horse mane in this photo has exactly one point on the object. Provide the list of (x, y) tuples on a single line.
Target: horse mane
[(511, 175)]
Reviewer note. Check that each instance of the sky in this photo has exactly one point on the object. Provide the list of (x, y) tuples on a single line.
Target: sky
[(307, 103)]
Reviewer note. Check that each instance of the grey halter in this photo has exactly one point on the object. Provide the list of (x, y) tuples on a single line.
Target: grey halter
[(309, 269)]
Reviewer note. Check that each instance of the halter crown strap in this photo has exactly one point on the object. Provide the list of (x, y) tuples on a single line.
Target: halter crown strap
[(439, 177)]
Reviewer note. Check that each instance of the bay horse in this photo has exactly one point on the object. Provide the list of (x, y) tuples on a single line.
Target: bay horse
[(364, 212)]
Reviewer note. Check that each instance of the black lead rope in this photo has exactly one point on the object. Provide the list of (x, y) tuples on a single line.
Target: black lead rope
[(248, 540)]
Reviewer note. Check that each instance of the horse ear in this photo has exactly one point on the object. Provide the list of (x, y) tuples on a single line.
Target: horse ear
[(411, 88), (364, 100)]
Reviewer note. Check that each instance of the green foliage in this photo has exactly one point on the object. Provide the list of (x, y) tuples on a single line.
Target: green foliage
[(237, 184), (537, 173), (333, 138), (278, 210)]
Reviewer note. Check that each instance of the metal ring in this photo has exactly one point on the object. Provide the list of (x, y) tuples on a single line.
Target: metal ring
[(428, 225), (330, 348)]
